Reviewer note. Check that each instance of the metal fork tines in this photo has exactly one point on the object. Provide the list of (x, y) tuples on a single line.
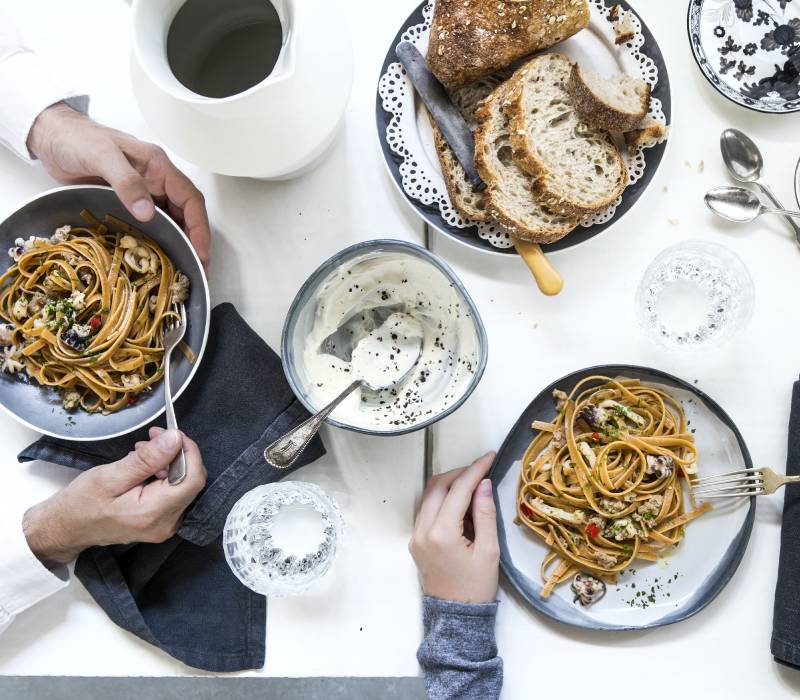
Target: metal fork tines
[(743, 482), (173, 333)]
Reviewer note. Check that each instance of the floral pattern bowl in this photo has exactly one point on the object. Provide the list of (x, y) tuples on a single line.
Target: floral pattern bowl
[(749, 50)]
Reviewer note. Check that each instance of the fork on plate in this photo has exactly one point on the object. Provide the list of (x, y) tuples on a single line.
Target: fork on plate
[(759, 481), (173, 333)]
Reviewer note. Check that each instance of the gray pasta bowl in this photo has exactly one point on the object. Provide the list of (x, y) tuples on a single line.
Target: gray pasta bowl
[(301, 314), (40, 407)]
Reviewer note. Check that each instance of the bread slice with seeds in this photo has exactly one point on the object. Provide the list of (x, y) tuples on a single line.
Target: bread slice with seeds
[(577, 168), (472, 39), (509, 196), (617, 103), (468, 201)]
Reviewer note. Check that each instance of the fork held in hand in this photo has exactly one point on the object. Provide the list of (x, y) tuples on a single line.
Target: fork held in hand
[(760, 481), (173, 334)]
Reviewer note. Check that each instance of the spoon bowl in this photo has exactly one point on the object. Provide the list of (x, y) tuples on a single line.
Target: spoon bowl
[(734, 203), (741, 155), (740, 205)]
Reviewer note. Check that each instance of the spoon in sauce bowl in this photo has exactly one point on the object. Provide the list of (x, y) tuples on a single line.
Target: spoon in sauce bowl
[(382, 359)]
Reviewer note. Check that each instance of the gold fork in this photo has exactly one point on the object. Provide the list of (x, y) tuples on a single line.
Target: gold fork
[(759, 481)]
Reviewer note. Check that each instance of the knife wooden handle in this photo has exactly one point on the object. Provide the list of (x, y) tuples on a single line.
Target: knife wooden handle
[(547, 278)]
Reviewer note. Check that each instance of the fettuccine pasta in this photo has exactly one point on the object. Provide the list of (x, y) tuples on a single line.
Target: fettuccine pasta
[(602, 483), (86, 310)]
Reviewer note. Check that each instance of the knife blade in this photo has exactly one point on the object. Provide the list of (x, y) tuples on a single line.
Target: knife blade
[(453, 126)]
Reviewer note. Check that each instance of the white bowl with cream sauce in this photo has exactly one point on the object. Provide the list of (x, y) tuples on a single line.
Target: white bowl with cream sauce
[(417, 295)]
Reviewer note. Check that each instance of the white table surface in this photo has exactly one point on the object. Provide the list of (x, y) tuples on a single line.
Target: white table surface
[(364, 620)]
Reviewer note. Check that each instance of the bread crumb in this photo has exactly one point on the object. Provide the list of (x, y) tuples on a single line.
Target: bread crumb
[(701, 166), (664, 188), (687, 164), (674, 222)]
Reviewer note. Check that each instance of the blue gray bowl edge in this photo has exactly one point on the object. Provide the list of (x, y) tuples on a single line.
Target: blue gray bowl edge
[(316, 277)]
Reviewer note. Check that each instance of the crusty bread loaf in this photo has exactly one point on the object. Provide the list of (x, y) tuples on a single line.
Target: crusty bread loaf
[(617, 103), (646, 135), (577, 169), (468, 201), (471, 39), (509, 197)]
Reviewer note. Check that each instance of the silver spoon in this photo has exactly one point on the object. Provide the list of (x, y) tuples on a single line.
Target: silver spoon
[(740, 204), (376, 366), (745, 164)]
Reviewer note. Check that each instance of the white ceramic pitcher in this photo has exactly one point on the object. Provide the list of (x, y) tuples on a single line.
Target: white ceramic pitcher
[(276, 129)]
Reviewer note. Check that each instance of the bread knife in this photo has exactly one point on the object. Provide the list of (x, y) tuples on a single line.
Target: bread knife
[(445, 114)]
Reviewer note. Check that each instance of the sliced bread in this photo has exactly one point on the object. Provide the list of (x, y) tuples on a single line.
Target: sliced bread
[(577, 169), (509, 197), (617, 103), (468, 201), (622, 22), (472, 39), (647, 134)]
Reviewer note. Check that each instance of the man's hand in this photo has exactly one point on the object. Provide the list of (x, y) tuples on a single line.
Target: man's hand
[(126, 501), (75, 149), (455, 542)]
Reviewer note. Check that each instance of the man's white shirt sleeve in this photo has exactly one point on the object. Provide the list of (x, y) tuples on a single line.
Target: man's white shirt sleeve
[(24, 580), (28, 85)]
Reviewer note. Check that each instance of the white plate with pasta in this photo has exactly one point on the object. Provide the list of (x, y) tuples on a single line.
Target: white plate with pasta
[(84, 298), (598, 525)]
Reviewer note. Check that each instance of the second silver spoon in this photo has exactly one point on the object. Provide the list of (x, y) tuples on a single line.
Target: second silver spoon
[(740, 204)]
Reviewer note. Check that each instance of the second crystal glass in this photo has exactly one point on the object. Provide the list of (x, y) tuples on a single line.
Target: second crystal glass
[(694, 295)]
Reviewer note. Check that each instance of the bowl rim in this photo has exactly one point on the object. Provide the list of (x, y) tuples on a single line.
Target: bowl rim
[(443, 267), (176, 394)]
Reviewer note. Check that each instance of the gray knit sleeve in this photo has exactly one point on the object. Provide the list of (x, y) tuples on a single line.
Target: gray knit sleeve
[(459, 654)]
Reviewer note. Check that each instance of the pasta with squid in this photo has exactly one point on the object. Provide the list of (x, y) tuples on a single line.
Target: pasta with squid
[(602, 484), (85, 312)]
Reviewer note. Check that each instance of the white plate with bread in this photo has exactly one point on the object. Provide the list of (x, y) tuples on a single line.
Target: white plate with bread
[(570, 102)]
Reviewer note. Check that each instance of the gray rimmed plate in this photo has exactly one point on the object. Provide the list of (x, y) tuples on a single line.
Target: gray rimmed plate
[(595, 47), (39, 407), (749, 50), (648, 594)]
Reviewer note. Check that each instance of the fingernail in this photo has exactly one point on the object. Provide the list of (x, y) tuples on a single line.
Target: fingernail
[(485, 488), (168, 440), (491, 454), (142, 209)]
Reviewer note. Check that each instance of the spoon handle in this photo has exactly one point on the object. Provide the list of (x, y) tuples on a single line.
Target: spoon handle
[(283, 453), (783, 212), (772, 198)]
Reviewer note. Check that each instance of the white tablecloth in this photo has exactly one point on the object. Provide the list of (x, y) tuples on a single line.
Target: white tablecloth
[(364, 620)]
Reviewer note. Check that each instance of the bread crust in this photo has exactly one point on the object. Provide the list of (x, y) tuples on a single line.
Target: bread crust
[(598, 113), (647, 135), (447, 160), (472, 39)]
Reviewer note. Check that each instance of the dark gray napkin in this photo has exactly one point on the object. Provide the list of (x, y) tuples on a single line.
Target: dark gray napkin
[(180, 595), (786, 618)]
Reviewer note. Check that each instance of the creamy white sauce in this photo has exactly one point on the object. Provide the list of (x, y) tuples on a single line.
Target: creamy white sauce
[(425, 303), (387, 354)]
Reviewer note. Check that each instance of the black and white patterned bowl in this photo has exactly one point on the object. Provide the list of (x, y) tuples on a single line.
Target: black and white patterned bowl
[(749, 50)]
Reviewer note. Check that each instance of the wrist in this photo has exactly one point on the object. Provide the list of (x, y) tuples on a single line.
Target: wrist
[(50, 536), (46, 124)]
